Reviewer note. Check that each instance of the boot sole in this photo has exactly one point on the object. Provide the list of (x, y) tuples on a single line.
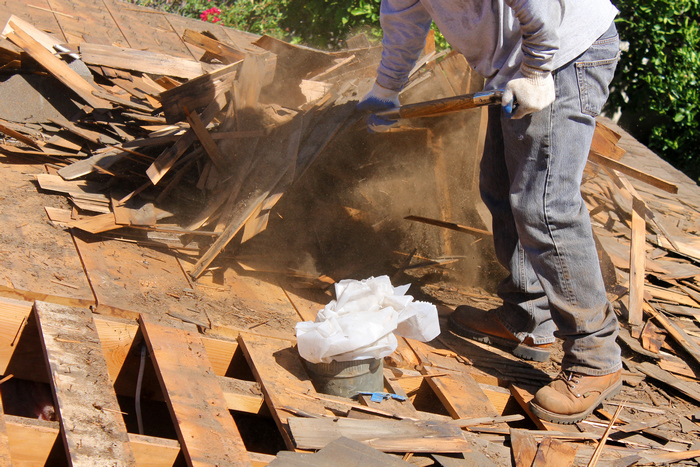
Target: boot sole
[(577, 417), (516, 348)]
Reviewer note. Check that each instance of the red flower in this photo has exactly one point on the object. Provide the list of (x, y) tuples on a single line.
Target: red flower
[(214, 12)]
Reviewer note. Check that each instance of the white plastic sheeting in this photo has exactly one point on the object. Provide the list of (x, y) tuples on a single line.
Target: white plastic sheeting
[(360, 323)]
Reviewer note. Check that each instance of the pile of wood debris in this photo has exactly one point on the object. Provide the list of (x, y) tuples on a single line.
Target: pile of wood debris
[(239, 128)]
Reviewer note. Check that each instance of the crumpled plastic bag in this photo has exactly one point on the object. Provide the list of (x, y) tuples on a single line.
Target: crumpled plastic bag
[(361, 322)]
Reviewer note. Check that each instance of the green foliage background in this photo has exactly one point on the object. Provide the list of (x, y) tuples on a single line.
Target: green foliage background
[(656, 85), (657, 78)]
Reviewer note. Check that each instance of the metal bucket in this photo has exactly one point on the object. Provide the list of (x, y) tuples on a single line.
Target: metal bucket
[(347, 379)]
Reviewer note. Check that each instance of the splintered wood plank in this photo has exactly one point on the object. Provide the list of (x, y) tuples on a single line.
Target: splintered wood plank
[(82, 388), (139, 60), (207, 141), (207, 432), (657, 182), (605, 142), (524, 447), (554, 453), (220, 50), (167, 159), (678, 334), (279, 369), (393, 406), (637, 262), (243, 211), (180, 24), (126, 278), (458, 392), (57, 68), (275, 158), (385, 435), (196, 93)]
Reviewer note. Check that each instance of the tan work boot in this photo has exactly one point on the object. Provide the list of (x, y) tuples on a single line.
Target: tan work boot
[(571, 397), (484, 326)]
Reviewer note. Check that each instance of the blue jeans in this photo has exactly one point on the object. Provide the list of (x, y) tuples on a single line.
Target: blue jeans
[(531, 182)]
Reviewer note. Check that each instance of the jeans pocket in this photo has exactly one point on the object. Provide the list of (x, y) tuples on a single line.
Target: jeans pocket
[(594, 77)]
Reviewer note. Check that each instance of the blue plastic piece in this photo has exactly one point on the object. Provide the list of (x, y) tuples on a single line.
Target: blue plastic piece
[(382, 396)]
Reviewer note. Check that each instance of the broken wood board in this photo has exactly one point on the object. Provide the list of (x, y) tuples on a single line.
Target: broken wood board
[(384, 435), (82, 188), (342, 452), (479, 233), (139, 60), (605, 142), (637, 262), (45, 39), (224, 52), (680, 336), (554, 453), (604, 161), (78, 374), (278, 368), (19, 137), (691, 390), (207, 141), (524, 447), (401, 408), (167, 159), (457, 390), (207, 432), (57, 68), (197, 93), (244, 211)]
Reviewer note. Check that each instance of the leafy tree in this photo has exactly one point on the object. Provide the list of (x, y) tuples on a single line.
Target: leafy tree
[(657, 77), (326, 23)]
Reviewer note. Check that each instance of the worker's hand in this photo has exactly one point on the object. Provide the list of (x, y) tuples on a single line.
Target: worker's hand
[(379, 98), (526, 95)]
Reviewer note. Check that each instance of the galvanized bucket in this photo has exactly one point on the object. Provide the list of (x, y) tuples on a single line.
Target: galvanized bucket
[(347, 379)]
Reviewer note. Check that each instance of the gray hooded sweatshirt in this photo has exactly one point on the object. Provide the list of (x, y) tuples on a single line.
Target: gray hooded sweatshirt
[(495, 36)]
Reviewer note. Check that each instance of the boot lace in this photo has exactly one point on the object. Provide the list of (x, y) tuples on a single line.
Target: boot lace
[(570, 378)]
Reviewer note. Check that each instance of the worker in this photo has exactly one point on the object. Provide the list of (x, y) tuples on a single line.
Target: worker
[(555, 60)]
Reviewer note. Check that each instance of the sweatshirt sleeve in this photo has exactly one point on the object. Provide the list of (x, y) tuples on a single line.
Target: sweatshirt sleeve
[(539, 24), (405, 24)]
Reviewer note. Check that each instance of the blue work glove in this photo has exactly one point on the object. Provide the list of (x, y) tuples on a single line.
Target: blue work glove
[(533, 92), (379, 98)]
